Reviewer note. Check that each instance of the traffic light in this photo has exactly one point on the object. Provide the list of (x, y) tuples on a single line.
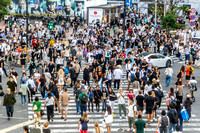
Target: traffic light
[(10, 22), (50, 26)]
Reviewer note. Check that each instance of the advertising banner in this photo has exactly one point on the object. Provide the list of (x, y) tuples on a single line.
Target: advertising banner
[(95, 14), (48, 7)]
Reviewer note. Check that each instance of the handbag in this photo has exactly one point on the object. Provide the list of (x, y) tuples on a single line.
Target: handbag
[(109, 119), (1, 93), (35, 107), (42, 112), (184, 114), (103, 124), (20, 91)]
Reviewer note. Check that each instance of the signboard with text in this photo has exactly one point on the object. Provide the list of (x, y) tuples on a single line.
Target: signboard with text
[(95, 14)]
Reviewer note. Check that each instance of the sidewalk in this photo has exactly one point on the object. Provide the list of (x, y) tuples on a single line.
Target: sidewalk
[(2, 25)]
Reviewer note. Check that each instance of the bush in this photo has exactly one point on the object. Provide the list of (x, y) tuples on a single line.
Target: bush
[(169, 20)]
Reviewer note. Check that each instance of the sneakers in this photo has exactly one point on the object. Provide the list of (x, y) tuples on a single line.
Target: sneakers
[(127, 89), (130, 129), (151, 121), (62, 117), (120, 117)]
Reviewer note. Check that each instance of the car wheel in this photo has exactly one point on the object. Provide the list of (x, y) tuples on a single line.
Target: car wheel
[(168, 63)]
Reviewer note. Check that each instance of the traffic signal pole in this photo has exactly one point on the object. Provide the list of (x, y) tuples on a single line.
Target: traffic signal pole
[(26, 22), (124, 23)]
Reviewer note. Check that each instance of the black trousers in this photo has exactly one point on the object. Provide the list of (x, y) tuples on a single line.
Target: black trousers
[(116, 81), (90, 102), (5, 71), (87, 80), (49, 112)]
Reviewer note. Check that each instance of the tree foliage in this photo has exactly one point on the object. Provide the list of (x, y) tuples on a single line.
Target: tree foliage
[(4, 7), (169, 21)]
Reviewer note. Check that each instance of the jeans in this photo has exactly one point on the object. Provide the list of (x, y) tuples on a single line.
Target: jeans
[(109, 83), (163, 129), (107, 60), (91, 101), (35, 82), (172, 126), (104, 105), (181, 123), (181, 57), (23, 99), (168, 80), (50, 112), (122, 107), (9, 110), (116, 81), (77, 106), (187, 57), (83, 108)]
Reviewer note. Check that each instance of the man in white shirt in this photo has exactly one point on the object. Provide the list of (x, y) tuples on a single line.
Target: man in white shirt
[(168, 73), (117, 76), (128, 68), (59, 62), (121, 103)]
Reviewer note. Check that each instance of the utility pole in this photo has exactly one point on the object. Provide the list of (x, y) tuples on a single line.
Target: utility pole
[(26, 22), (124, 22), (165, 8), (155, 12)]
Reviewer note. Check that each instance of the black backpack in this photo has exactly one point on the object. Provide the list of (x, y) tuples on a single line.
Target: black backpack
[(84, 125), (84, 99), (164, 121), (174, 116), (78, 92), (160, 93)]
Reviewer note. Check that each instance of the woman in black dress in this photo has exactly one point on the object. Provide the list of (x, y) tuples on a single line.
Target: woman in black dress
[(23, 59)]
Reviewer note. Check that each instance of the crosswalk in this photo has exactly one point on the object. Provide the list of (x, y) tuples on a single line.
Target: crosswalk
[(177, 60), (118, 126)]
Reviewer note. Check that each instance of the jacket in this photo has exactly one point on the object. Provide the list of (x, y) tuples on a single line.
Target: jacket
[(9, 100)]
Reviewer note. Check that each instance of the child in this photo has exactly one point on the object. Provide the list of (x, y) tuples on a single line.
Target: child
[(131, 114)]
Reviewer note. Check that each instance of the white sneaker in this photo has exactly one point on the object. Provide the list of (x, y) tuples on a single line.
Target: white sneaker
[(154, 119), (151, 121), (120, 117), (125, 117)]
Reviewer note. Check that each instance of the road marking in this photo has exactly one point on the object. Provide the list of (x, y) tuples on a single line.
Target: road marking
[(22, 110)]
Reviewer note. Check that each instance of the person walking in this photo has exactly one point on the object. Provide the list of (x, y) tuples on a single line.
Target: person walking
[(112, 98), (140, 103), (117, 76), (121, 103), (104, 99), (97, 97), (24, 90), (179, 90), (50, 104), (91, 98), (131, 78), (140, 125), (163, 122), (84, 121), (31, 85), (131, 114), (9, 101), (64, 98), (108, 113), (188, 105), (173, 117), (168, 73), (37, 107), (77, 92), (189, 72), (83, 99)]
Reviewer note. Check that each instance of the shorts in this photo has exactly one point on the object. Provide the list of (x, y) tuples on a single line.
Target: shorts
[(187, 77), (64, 108), (139, 108), (149, 111)]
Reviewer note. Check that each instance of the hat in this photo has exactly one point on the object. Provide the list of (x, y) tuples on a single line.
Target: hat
[(188, 96), (119, 67)]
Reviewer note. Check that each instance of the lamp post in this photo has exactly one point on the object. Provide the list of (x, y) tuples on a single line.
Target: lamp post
[(155, 12), (124, 22), (26, 22)]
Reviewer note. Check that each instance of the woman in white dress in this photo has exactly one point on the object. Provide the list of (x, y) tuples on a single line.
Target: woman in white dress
[(61, 79)]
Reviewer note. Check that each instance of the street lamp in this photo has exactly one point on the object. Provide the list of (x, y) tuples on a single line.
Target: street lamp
[(26, 22), (155, 12), (124, 22)]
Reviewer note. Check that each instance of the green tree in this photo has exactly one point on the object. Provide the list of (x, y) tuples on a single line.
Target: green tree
[(4, 7), (169, 21)]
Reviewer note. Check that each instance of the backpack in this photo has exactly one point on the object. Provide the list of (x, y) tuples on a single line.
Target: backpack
[(173, 101), (66, 71), (191, 70), (78, 92), (84, 99), (174, 116), (160, 93), (132, 77), (84, 125), (164, 121), (192, 86)]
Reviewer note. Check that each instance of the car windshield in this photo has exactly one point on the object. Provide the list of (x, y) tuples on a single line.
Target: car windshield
[(143, 54)]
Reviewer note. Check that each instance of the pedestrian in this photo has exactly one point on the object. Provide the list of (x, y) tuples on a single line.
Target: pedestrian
[(84, 121), (32, 88), (50, 104), (37, 107), (91, 98), (179, 107), (86, 74), (97, 129), (46, 129), (112, 98), (150, 104), (1, 94), (121, 103), (77, 92), (131, 78), (12, 85), (97, 97), (139, 125), (140, 103), (108, 115), (64, 98), (42, 87), (24, 89), (168, 75), (60, 79), (131, 115), (163, 122), (173, 117), (25, 129), (83, 99), (179, 92), (117, 76), (9, 101), (192, 86), (189, 71), (72, 74), (188, 105), (104, 99), (55, 91)]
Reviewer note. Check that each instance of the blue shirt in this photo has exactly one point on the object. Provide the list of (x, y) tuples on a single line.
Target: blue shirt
[(90, 94), (47, 95)]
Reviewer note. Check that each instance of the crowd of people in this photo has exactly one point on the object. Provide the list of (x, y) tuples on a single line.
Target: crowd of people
[(55, 63)]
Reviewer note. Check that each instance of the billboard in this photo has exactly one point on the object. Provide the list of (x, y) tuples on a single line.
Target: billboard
[(95, 14), (48, 7)]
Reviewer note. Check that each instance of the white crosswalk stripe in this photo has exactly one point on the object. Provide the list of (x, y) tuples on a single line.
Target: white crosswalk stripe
[(70, 125)]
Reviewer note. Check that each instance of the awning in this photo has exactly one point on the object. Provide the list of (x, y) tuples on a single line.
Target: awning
[(107, 6)]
